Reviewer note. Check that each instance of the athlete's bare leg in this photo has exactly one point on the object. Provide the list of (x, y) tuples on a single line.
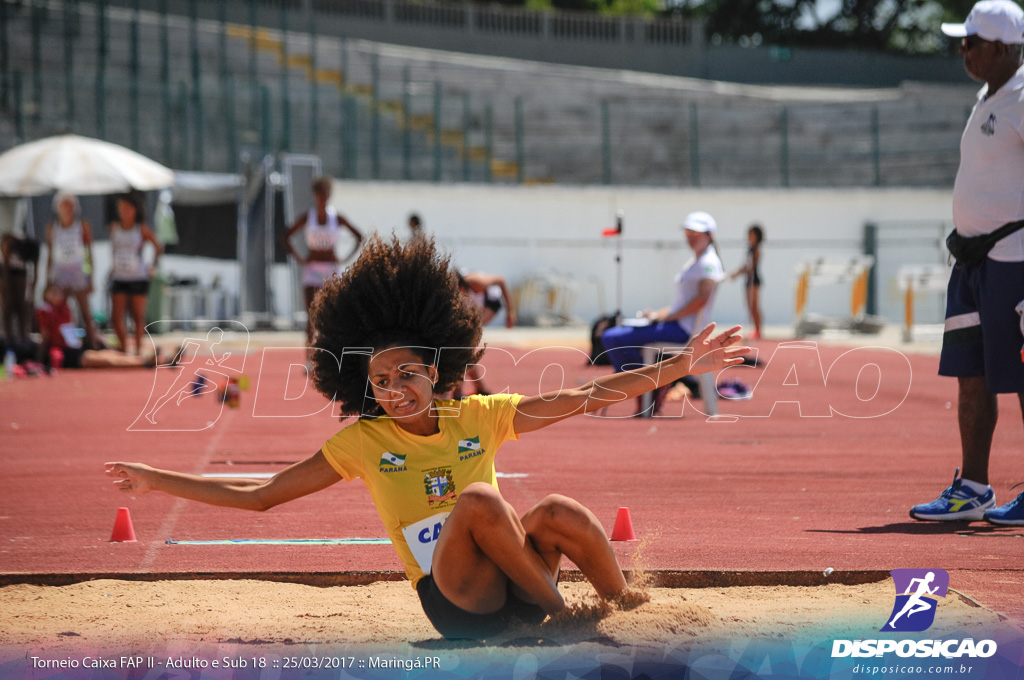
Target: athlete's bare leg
[(309, 292), (82, 298), (139, 318), (484, 542), (118, 305), (109, 358), (562, 526), (977, 411), (754, 304)]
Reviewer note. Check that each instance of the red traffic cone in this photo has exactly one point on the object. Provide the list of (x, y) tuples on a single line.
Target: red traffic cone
[(123, 531), (623, 530)]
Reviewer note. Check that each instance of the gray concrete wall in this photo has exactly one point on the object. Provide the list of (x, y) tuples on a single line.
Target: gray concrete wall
[(555, 232), (806, 66), (660, 46)]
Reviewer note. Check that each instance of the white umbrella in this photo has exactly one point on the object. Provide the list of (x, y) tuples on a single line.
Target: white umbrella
[(78, 165)]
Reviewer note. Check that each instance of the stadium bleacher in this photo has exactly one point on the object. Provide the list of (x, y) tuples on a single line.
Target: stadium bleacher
[(193, 93)]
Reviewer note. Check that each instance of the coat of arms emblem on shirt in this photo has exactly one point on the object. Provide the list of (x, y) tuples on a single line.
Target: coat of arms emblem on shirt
[(439, 486)]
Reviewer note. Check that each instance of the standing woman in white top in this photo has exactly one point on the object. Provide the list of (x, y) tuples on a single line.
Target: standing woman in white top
[(694, 293), (69, 259), (323, 226), (129, 280)]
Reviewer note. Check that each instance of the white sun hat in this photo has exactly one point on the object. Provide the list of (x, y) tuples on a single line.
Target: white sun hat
[(996, 20), (700, 221)]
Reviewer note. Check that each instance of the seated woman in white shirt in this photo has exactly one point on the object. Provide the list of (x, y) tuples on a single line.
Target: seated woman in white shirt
[(694, 293)]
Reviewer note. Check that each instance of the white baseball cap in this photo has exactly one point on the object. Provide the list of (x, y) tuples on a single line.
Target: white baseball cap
[(996, 20), (700, 221)]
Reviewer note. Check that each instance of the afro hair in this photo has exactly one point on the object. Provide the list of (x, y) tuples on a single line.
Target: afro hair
[(395, 294)]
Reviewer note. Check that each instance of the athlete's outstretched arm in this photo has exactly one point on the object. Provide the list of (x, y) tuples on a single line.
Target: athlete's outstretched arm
[(295, 481), (286, 240), (702, 354)]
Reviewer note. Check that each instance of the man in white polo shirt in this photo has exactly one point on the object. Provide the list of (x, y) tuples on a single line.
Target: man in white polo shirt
[(982, 341)]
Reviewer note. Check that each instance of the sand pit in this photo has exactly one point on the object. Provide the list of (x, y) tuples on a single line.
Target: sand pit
[(246, 616)]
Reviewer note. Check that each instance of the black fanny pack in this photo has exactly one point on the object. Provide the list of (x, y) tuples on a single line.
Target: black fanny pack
[(972, 251)]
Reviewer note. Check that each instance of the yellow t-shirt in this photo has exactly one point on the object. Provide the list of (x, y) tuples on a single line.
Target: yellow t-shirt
[(413, 478)]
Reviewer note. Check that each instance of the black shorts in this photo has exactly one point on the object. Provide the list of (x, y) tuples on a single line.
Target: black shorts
[(982, 331), (493, 304), (455, 623), (129, 288), (72, 357)]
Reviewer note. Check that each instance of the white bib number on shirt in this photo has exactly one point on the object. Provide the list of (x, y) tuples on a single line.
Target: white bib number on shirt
[(422, 538)]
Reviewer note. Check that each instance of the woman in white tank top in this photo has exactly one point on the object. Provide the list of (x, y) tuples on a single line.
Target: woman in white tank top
[(129, 280), (324, 238), (69, 258)]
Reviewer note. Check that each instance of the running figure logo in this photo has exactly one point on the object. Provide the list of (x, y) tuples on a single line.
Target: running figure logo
[(197, 367), (917, 591)]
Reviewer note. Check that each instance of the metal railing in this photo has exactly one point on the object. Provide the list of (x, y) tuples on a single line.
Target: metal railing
[(193, 92), (364, 9), (463, 16), (509, 22), (449, 16)]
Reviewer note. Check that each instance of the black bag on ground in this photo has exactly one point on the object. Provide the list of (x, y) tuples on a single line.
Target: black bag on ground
[(598, 357), (972, 251)]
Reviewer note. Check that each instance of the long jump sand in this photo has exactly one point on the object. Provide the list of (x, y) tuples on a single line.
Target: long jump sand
[(160, 617)]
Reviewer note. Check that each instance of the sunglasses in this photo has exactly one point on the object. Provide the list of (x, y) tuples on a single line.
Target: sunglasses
[(973, 41)]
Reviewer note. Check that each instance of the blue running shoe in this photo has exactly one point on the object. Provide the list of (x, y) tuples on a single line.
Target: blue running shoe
[(1011, 514), (957, 503)]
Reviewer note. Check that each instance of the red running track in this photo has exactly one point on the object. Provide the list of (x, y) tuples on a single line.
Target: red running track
[(773, 490)]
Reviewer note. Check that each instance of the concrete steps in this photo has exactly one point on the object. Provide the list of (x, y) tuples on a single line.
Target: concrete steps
[(742, 136)]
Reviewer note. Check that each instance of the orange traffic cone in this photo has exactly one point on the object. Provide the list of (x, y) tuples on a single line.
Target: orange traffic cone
[(123, 531), (623, 530)]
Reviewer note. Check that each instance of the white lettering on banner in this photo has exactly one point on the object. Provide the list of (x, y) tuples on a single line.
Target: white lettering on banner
[(422, 538), (949, 649)]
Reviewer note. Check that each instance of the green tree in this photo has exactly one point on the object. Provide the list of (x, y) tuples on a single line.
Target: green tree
[(892, 25), (910, 26)]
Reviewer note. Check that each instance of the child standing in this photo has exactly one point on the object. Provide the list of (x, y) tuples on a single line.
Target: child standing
[(751, 269), (129, 280), (69, 259)]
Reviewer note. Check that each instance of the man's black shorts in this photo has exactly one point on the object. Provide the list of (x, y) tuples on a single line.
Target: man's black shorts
[(983, 334)]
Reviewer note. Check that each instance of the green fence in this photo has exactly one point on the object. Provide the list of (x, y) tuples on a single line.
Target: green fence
[(192, 93)]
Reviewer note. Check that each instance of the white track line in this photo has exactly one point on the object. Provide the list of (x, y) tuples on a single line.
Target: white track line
[(268, 475), (167, 528)]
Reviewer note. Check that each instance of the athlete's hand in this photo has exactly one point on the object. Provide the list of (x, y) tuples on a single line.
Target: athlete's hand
[(134, 478), (713, 354)]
